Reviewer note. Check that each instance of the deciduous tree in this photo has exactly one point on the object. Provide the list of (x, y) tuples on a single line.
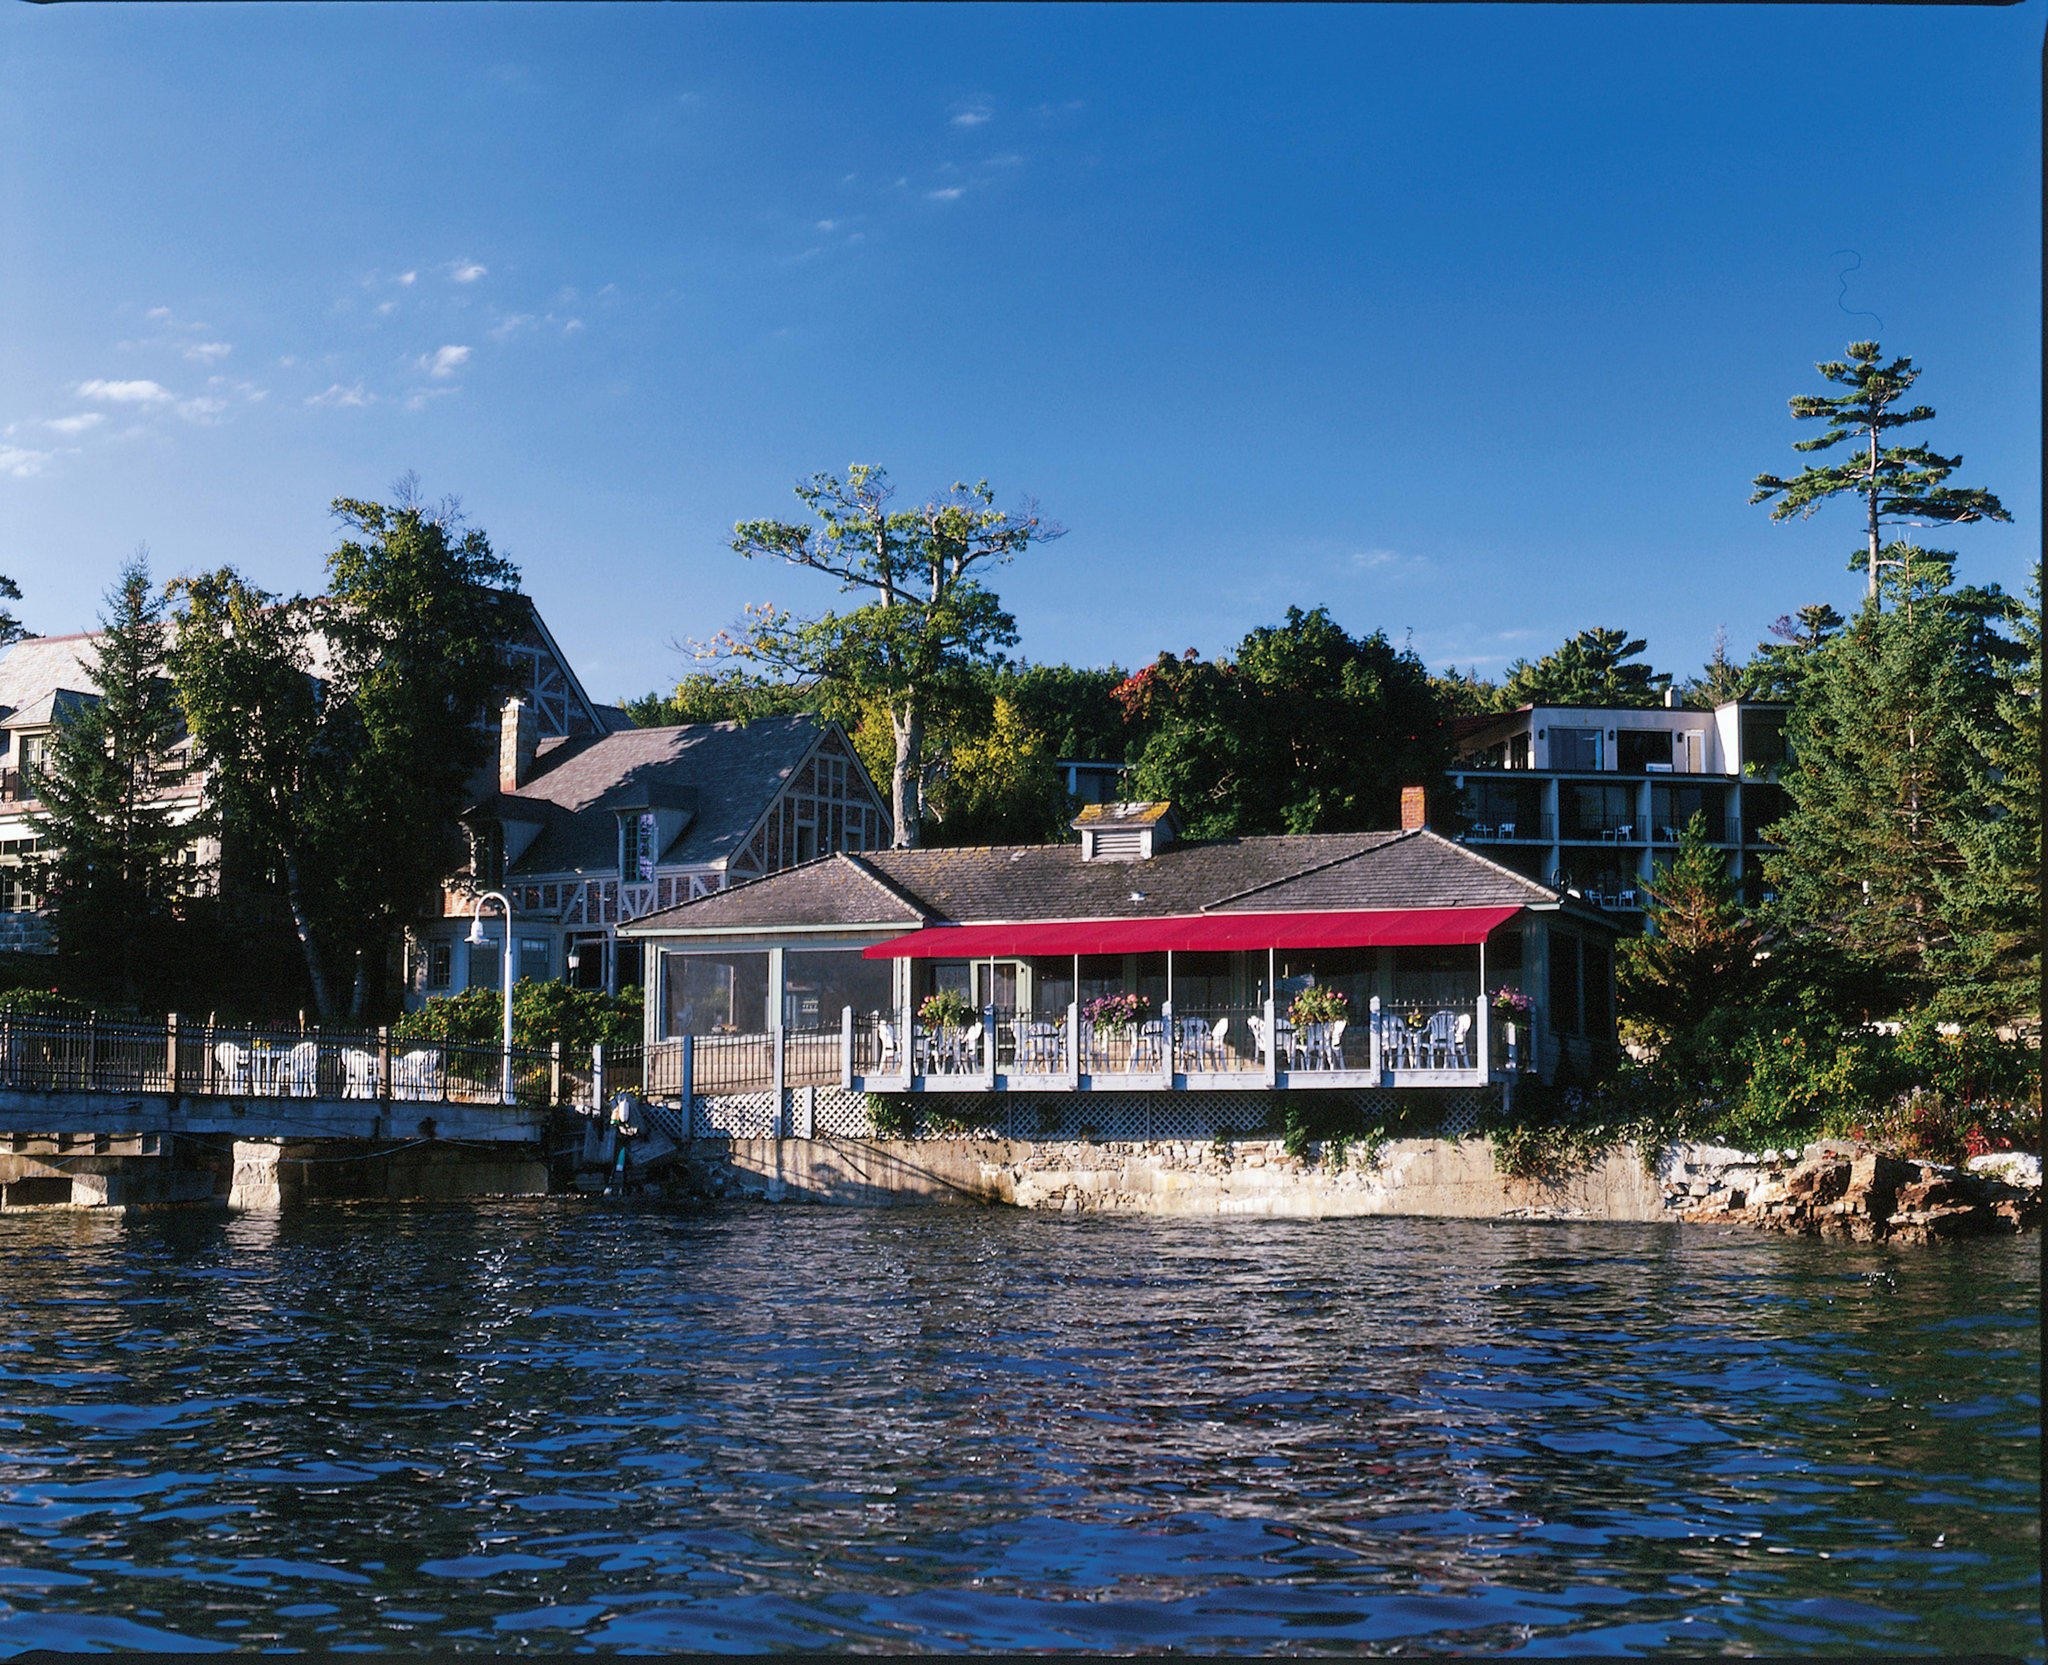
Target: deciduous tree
[(1897, 483), (930, 623)]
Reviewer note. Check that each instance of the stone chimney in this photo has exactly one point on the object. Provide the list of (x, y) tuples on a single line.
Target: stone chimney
[(518, 738), (1413, 815), (1673, 699)]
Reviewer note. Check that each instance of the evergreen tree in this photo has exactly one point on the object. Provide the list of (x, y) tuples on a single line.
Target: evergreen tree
[(1896, 482), (1596, 667), (113, 840), (1722, 679), (1886, 773), (1701, 949), (1468, 694), (11, 628), (1779, 666), (1991, 967)]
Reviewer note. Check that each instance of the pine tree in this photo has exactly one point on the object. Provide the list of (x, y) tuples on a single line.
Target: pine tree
[(1701, 950), (1992, 906), (112, 870), (11, 628), (1596, 667), (1896, 482), (1887, 772), (1778, 667), (1722, 679)]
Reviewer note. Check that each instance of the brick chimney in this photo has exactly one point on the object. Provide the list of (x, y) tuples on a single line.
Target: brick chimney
[(1413, 815), (518, 738)]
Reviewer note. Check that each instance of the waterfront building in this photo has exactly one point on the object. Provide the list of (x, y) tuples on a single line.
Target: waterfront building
[(1135, 959), (1590, 798), (587, 833)]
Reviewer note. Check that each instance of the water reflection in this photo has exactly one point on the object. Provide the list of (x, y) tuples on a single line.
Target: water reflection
[(548, 1424)]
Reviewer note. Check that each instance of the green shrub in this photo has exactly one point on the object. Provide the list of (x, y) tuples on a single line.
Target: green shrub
[(894, 1116), (542, 1014)]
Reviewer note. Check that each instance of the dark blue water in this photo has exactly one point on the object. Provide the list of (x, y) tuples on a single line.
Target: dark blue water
[(548, 1426)]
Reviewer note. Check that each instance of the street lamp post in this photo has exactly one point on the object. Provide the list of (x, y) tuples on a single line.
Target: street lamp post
[(477, 939)]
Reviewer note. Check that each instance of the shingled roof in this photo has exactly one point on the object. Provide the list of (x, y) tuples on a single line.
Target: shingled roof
[(1302, 873), (725, 774)]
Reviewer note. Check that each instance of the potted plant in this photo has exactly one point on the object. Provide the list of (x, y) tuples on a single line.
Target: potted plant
[(947, 1009), (1115, 1014), (1318, 1004), (1510, 1005)]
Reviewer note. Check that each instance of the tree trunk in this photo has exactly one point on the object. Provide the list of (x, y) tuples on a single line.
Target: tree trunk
[(905, 801), (294, 895), (1872, 592)]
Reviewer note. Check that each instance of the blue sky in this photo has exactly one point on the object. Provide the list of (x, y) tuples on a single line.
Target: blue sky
[(1470, 322)]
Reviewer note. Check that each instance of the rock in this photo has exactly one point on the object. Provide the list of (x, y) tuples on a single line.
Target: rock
[(2015, 1167)]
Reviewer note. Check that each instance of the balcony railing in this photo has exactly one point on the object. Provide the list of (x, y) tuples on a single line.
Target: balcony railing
[(1512, 829)]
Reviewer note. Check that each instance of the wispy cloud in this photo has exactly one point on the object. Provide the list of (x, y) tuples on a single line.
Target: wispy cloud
[(21, 462), (206, 352), (79, 424), (446, 361), (345, 397), (410, 277), (202, 410), (511, 324), (420, 397), (466, 271), (126, 393), (946, 193), (975, 115), (1390, 563)]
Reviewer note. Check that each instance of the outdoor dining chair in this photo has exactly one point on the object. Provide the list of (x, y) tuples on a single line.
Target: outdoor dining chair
[(1262, 1040), (234, 1067), (301, 1069), (888, 1056), (1447, 1032), (1038, 1046), (417, 1074), (1192, 1043), (359, 1070), (1400, 1042), (1149, 1050)]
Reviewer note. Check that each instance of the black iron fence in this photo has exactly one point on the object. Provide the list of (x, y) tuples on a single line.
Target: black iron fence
[(95, 1055)]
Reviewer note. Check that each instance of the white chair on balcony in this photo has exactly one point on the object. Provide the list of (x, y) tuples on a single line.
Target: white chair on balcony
[(1506, 829), (1038, 1046), (888, 1056), (1400, 1042), (302, 1069), (359, 1073), (1446, 1043), (1193, 1048), (1148, 1049), (233, 1062), (1260, 1039), (967, 1053)]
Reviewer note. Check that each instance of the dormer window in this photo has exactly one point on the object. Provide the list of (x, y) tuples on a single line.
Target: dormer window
[(1124, 832), (641, 849)]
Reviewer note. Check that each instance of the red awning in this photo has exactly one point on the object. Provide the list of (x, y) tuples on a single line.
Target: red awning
[(1196, 933)]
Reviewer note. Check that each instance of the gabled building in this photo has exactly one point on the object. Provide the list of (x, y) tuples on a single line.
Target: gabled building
[(587, 833), (1206, 946)]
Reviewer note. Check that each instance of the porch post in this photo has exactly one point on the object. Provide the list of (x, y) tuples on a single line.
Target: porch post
[(1272, 1043), (1169, 1039), (1373, 1034), (1074, 1041), (688, 1064), (780, 1068), (909, 1040), (846, 1047), (1485, 1050)]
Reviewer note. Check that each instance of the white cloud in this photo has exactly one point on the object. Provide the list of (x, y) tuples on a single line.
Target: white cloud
[(207, 351), (947, 193), (126, 393), (75, 424), (421, 397), (386, 308), (202, 410), (160, 314), (21, 463), (572, 326), (286, 362), (1390, 563), (467, 271), (973, 116), (828, 225), (446, 361), (343, 396), (510, 325), (407, 277)]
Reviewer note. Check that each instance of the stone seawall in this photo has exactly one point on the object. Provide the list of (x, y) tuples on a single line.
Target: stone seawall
[(1452, 1178)]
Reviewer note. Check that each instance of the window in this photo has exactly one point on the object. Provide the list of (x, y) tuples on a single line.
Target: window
[(17, 856), (1565, 1010), (440, 961), (819, 984), (1575, 748), (488, 856), (536, 959), (641, 852), (714, 994), (1635, 747), (1763, 740)]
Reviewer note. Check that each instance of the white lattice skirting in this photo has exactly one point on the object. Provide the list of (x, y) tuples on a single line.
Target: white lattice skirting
[(834, 1113)]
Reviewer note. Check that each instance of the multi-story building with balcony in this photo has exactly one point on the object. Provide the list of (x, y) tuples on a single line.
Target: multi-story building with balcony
[(1593, 798)]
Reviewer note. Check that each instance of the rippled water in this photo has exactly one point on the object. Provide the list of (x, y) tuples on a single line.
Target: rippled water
[(550, 1425)]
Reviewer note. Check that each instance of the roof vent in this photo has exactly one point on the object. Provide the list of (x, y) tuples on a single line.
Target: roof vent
[(1124, 832)]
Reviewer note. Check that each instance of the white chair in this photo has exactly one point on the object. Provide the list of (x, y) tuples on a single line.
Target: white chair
[(1148, 1051), (302, 1069), (1260, 1038), (1400, 1042), (1336, 1039), (417, 1074), (967, 1049), (1191, 1043), (1507, 829), (359, 1071), (234, 1068), (887, 1061), (1038, 1047), (1446, 1037)]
